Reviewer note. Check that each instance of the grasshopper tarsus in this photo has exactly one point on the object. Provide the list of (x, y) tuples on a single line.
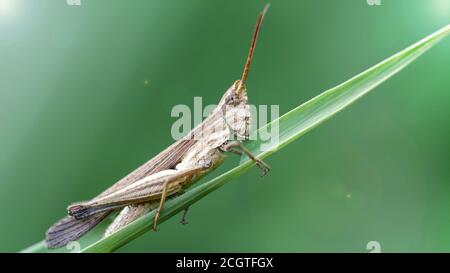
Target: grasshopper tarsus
[(264, 167), (184, 220), (155, 227), (155, 221)]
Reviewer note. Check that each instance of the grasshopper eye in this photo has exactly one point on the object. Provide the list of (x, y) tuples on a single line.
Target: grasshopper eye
[(231, 99)]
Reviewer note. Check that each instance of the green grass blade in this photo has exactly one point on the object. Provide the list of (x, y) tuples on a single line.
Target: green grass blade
[(37, 247), (292, 125)]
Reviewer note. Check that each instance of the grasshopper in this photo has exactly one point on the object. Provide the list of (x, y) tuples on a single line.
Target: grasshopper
[(170, 172)]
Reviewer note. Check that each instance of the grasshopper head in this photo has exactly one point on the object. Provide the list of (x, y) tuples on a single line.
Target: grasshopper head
[(235, 109), (234, 103), (235, 95)]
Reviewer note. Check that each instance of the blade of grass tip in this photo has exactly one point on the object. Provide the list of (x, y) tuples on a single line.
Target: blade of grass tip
[(300, 120), (291, 125)]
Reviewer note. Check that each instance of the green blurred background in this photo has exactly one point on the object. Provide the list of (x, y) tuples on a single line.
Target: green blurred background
[(86, 93)]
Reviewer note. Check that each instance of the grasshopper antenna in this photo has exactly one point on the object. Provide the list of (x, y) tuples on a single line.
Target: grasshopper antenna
[(259, 23)]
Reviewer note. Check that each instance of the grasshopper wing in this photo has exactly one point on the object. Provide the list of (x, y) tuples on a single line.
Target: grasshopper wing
[(70, 229)]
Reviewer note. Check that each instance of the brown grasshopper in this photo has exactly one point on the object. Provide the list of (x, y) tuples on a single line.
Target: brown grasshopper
[(170, 172)]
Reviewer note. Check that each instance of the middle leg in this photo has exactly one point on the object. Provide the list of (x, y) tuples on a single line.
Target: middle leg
[(231, 147)]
